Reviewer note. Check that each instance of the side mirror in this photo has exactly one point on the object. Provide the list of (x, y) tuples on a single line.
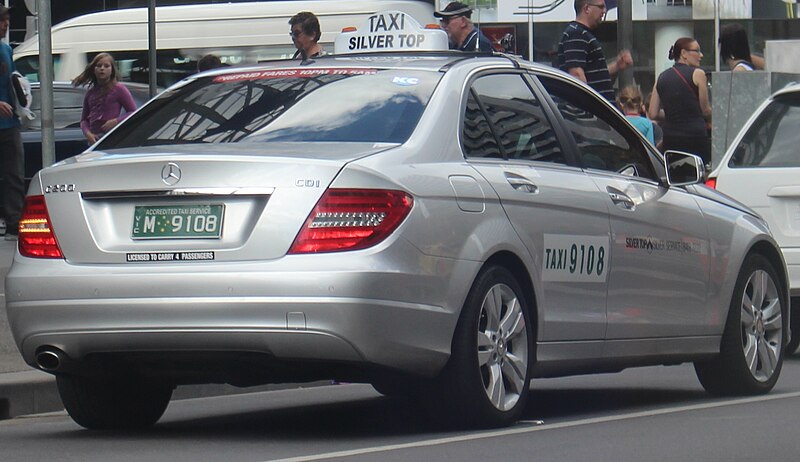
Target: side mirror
[(683, 168)]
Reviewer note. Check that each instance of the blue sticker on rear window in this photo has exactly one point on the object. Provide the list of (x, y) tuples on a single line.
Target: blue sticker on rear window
[(405, 81)]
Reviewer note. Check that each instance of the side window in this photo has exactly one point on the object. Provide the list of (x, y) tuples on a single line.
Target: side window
[(772, 139), (502, 111), (604, 141), (479, 141), (29, 66)]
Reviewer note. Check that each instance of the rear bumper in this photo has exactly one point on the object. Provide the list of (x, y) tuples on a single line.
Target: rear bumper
[(399, 316)]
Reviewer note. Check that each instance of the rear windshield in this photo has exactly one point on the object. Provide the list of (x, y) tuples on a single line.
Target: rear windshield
[(257, 106), (773, 138)]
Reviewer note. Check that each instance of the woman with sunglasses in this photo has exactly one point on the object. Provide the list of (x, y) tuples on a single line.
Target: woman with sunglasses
[(682, 92), (305, 33)]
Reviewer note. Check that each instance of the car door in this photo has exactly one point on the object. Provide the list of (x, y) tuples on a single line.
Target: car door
[(554, 207), (658, 271)]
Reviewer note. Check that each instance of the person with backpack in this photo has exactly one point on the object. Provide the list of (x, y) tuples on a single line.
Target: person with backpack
[(12, 158)]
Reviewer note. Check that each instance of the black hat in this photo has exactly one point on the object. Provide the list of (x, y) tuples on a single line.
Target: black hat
[(4, 10), (454, 9)]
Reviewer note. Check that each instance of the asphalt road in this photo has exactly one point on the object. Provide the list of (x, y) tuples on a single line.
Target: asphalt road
[(647, 414)]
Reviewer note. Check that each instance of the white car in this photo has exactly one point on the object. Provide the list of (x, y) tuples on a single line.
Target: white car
[(761, 169)]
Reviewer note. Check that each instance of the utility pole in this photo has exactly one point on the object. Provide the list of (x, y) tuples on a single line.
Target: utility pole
[(151, 45), (625, 38), (46, 81)]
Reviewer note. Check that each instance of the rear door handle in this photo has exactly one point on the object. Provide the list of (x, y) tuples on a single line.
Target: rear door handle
[(520, 183)]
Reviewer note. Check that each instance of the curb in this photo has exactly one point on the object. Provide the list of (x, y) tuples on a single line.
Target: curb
[(28, 392)]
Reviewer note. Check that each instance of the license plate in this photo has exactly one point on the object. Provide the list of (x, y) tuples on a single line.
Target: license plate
[(177, 221)]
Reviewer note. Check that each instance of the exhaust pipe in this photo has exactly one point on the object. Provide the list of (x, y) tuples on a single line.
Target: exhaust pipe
[(50, 359)]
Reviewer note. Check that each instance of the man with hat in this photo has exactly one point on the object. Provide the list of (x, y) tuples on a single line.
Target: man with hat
[(464, 35), (11, 155)]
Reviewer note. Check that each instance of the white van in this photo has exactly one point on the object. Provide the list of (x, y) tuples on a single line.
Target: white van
[(239, 33)]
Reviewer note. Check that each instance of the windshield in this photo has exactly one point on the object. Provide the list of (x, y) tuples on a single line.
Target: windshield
[(332, 104)]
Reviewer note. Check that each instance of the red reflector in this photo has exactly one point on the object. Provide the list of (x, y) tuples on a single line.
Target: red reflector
[(36, 237), (711, 183), (352, 219)]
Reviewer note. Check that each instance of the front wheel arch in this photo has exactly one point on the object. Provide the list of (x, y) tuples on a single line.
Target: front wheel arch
[(753, 340), (514, 264)]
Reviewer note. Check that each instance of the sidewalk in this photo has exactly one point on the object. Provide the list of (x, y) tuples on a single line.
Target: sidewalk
[(24, 390)]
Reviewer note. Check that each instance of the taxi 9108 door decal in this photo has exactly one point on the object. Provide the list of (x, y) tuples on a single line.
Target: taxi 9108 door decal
[(574, 258)]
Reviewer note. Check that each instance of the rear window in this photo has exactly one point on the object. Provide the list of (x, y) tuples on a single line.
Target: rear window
[(772, 140), (258, 106)]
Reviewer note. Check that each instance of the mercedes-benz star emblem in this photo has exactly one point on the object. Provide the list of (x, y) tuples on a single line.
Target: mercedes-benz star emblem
[(171, 174)]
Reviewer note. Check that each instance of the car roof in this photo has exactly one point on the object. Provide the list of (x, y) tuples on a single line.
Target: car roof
[(435, 61), (793, 87)]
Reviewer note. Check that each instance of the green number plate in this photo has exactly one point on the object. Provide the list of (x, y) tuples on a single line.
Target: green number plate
[(177, 221)]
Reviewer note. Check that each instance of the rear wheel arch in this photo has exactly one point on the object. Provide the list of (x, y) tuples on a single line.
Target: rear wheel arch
[(486, 380), (514, 264)]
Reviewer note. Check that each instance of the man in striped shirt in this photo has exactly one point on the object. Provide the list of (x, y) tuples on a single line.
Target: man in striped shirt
[(580, 53)]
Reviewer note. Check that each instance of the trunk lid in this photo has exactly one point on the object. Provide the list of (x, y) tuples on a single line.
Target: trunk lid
[(232, 202)]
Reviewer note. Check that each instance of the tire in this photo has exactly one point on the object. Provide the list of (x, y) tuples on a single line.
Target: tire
[(752, 348), (113, 403), (794, 340), (487, 378)]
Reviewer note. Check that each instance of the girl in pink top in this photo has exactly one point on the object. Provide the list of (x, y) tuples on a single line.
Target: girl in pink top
[(105, 99)]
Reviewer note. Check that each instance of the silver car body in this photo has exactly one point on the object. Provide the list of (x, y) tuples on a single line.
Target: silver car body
[(555, 229), (671, 261)]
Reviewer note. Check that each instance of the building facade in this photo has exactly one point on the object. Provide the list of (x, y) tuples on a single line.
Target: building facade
[(656, 24)]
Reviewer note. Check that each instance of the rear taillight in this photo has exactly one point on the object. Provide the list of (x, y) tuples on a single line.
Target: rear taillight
[(36, 237), (352, 219), (711, 183)]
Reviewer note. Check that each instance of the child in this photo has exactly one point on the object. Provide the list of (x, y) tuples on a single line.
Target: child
[(105, 100), (630, 102)]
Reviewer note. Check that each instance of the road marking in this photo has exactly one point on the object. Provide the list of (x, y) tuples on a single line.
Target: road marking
[(533, 426)]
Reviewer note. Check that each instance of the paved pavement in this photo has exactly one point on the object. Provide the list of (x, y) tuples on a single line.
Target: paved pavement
[(24, 390)]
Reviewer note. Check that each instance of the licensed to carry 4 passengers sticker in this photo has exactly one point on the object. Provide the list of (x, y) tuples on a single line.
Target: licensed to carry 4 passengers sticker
[(146, 257), (572, 258)]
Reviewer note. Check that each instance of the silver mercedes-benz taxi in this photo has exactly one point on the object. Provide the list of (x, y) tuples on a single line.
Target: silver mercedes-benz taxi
[(442, 225)]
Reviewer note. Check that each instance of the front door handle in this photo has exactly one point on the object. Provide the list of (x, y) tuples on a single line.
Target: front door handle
[(620, 199)]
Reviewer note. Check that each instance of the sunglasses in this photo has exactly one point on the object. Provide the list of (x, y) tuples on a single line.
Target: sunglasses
[(446, 21)]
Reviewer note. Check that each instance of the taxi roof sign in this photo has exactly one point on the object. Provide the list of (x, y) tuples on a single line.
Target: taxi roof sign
[(390, 31)]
